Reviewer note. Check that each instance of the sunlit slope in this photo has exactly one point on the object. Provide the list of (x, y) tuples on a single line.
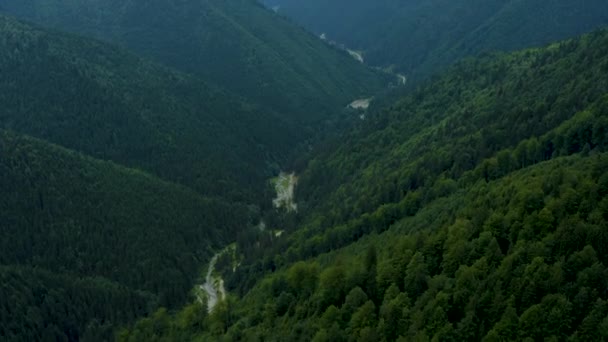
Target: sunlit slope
[(449, 126), (472, 209), (522, 256)]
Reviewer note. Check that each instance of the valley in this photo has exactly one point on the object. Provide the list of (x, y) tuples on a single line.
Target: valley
[(358, 56), (321, 170), (466, 212), (392, 33), (212, 291), (249, 44)]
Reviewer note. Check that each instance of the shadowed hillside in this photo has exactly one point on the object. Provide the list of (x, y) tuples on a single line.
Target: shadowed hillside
[(237, 44)]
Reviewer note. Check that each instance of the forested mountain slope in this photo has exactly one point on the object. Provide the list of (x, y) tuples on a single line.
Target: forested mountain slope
[(110, 104), (420, 37), (447, 127), (475, 208), (237, 44), (102, 240)]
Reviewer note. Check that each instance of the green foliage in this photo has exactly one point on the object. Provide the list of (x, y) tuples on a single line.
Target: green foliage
[(109, 104), (453, 132), (474, 208), (78, 217), (470, 210), (538, 288), (302, 279)]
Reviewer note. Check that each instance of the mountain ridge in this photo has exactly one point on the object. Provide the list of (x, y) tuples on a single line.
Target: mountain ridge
[(237, 44)]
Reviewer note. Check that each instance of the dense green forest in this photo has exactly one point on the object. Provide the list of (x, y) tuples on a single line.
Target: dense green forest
[(139, 152), (237, 44), (110, 104), (113, 232), (475, 208), (504, 260), (418, 38), (116, 224)]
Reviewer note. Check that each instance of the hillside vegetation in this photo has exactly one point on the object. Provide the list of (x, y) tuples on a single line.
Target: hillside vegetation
[(418, 37), (112, 105), (237, 44), (473, 209), (69, 223)]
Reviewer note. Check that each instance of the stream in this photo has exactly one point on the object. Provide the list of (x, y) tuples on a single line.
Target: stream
[(284, 186), (214, 285), (356, 55), (361, 103)]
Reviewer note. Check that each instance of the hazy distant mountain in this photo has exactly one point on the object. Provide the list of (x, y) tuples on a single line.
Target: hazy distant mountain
[(237, 44), (419, 37)]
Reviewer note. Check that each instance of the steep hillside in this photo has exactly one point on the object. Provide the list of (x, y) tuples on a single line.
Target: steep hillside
[(420, 37), (472, 209), (237, 44), (110, 104), (447, 127), (139, 240)]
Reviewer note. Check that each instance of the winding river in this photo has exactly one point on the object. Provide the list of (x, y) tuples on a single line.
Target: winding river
[(214, 285)]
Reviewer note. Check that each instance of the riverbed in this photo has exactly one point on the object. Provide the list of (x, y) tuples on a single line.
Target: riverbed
[(213, 287), (284, 186)]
